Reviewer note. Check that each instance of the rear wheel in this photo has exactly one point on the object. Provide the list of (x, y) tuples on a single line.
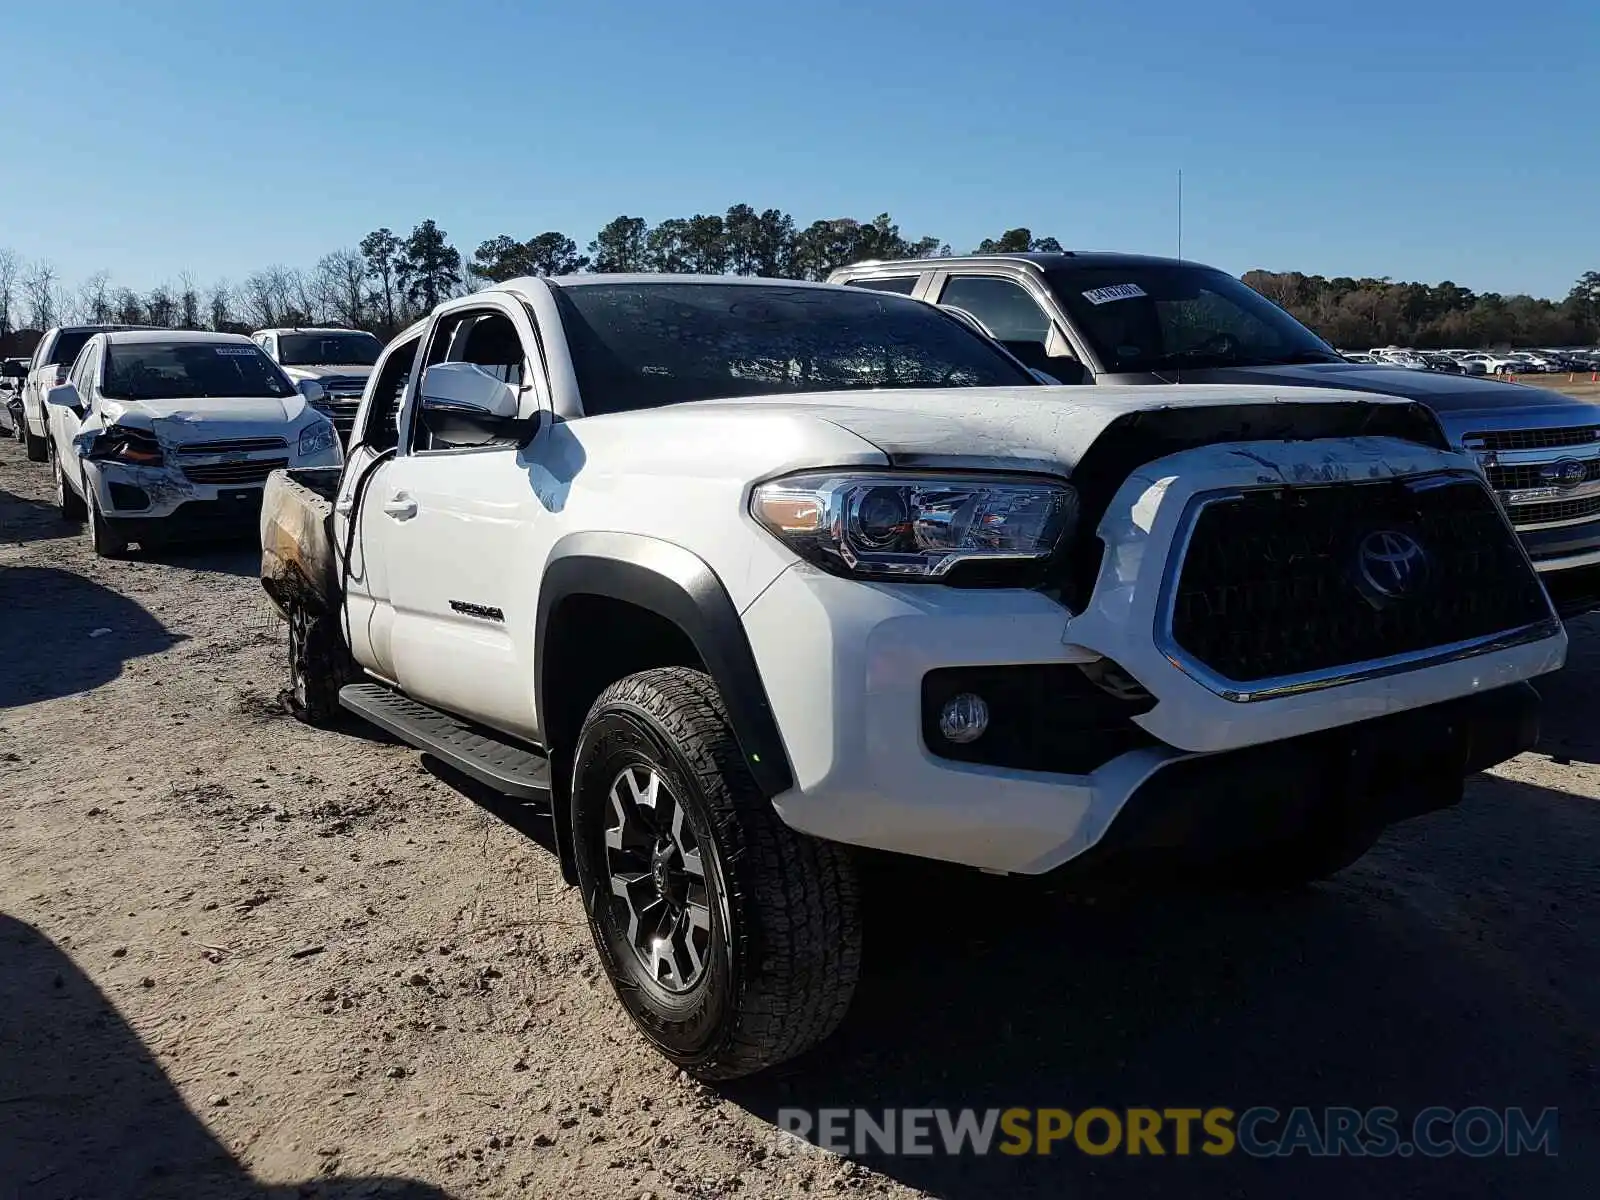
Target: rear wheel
[(733, 942), (319, 666), (69, 503)]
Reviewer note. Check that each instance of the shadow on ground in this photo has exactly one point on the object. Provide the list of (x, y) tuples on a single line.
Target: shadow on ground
[(85, 1112), (61, 633), (1568, 732), (1454, 967), (234, 557), (23, 520)]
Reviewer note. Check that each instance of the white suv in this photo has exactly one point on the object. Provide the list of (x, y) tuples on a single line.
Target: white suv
[(162, 436)]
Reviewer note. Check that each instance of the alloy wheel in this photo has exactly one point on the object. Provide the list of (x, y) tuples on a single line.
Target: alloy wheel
[(298, 636), (658, 878)]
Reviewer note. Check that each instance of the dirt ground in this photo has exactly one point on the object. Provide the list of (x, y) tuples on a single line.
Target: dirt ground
[(240, 957)]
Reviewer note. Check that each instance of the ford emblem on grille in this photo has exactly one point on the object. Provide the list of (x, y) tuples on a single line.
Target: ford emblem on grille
[(1390, 565), (1568, 473)]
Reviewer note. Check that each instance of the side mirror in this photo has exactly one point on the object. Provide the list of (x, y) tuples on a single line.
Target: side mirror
[(313, 391), (65, 396), (464, 405)]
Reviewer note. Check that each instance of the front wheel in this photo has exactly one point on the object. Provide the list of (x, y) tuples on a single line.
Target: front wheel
[(104, 540), (733, 942)]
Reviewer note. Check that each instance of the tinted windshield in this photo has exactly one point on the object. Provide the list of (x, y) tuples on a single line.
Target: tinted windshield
[(328, 349), (640, 345), (1165, 318), (182, 370)]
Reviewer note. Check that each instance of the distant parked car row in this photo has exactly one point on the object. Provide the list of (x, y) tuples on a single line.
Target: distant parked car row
[(1480, 362)]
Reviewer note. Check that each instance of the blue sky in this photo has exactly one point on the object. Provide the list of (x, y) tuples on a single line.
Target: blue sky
[(1417, 139)]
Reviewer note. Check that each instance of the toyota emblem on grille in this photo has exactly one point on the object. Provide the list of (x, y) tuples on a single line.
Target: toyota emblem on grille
[(1568, 473), (1390, 565)]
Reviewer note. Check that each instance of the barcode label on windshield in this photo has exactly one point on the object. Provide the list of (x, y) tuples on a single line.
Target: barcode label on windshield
[(247, 351), (1115, 291)]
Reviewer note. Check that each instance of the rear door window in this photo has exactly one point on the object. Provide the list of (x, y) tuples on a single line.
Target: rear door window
[(68, 343), (1005, 308), (903, 284)]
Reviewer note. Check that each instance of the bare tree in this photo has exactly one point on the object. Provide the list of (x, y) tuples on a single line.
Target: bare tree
[(10, 275), (304, 301), (40, 290), (260, 298), (161, 305), (94, 298), (188, 302), (219, 305), (342, 280), (127, 308)]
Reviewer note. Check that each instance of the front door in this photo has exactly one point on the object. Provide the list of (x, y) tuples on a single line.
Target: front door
[(456, 522), (368, 611)]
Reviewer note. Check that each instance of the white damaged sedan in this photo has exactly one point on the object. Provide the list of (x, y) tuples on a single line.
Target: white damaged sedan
[(164, 436)]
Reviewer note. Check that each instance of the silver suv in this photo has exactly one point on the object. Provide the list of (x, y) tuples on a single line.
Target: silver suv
[(1105, 318)]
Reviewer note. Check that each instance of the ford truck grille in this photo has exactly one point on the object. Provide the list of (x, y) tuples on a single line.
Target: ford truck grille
[(1291, 582), (1534, 439), (1554, 512), (341, 400), (255, 470), (1525, 476)]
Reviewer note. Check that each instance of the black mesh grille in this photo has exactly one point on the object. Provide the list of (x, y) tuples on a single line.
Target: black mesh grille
[(254, 471), (1554, 510), (1529, 475), (1535, 439), (1271, 587)]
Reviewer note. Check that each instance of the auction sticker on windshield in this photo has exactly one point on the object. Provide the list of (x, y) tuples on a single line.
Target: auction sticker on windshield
[(247, 351), (1114, 291)]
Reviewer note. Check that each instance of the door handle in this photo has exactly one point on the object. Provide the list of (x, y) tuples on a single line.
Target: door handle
[(345, 506), (401, 507)]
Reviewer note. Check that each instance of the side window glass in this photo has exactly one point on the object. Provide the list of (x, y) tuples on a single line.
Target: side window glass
[(488, 340), (1006, 309), (382, 428), (903, 284), (82, 372)]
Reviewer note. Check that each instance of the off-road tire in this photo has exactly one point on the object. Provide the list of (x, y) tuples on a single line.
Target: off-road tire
[(785, 946), (68, 502), (319, 665), (103, 540), (38, 448)]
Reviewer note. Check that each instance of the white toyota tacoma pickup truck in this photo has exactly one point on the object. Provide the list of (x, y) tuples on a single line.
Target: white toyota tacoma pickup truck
[(735, 575)]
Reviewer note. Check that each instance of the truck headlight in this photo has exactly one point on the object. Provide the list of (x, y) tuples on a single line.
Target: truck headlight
[(959, 529), (317, 438)]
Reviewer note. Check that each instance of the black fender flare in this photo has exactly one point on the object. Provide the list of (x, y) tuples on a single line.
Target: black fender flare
[(678, 585)]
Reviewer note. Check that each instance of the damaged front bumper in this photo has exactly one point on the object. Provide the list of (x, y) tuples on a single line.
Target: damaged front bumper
[(163, 503), (857, 675)]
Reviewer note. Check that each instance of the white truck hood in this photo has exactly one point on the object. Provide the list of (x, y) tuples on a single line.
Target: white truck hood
[(1050, 429)]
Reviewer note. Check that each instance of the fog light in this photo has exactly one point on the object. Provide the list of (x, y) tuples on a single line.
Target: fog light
[(964, 718)]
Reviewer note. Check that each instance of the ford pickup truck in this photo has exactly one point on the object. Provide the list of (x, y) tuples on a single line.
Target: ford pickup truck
[(734, 576), (1120, 319), (329, 367)]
